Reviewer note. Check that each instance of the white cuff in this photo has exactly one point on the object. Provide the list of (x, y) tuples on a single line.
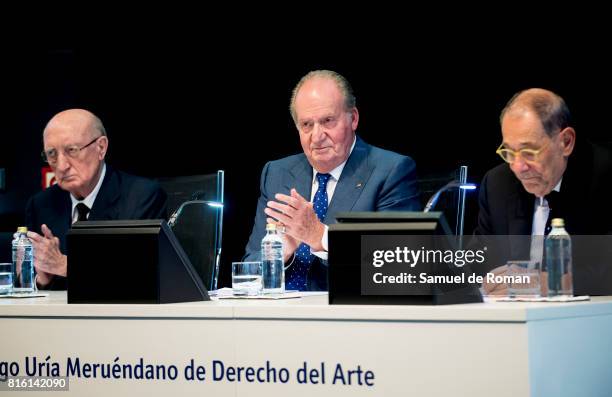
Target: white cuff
[(287, 266), (323, 254)]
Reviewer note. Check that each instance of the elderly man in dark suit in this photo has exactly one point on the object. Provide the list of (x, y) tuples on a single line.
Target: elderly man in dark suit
[(75, 144), (336, 172), (548, 174)]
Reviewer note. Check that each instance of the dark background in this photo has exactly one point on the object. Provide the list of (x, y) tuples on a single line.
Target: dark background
[(182, 109)]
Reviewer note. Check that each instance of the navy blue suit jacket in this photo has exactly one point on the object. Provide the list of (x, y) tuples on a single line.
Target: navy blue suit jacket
[(373, 179), (121, 196)]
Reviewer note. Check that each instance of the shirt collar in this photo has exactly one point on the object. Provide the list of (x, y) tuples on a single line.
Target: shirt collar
[(89, 200), (557, 189), (336, 172)]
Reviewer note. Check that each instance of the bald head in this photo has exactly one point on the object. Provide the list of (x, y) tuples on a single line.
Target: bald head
[(547, 106), (77, 120)]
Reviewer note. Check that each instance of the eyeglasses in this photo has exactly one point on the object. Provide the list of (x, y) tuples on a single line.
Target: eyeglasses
[(72, 151), (528, 155)]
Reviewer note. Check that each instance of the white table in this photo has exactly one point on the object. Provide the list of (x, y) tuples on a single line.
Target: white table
[(485, 349)]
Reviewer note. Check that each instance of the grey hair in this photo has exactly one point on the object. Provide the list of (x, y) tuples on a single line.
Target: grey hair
[(343, 85), (98, 126), (550, 108)]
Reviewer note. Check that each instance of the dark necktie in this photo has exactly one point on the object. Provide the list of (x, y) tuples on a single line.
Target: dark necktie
[(82, 211), (296, 273), (554, 203)]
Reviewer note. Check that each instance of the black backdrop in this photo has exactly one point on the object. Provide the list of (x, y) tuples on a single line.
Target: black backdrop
[(188, 109)]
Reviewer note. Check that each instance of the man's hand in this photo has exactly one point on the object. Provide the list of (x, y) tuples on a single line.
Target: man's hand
[(502, 288), (48, 260), (495, 288), (297, 215), (290, 244)]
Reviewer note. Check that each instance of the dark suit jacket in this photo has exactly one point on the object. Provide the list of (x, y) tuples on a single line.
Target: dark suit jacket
[(121, 196), (373, 179), (583, 202)]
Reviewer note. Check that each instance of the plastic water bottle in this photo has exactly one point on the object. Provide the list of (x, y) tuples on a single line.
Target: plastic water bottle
[(14, 251), (272, 261), (23, 262), (559, 260)]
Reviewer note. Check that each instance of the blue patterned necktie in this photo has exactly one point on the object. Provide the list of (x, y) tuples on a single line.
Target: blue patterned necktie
[(296, 274)]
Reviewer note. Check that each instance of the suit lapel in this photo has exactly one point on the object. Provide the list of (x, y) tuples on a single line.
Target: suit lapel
[(104, 207), (352, 181), (300, 178), (59, 219), (520, 213), (576, 189), (520, 219), (64, 210)]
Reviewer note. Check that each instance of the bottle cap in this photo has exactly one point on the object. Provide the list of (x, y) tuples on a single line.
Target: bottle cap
[(270, 226), (557, 222), (22, 229)]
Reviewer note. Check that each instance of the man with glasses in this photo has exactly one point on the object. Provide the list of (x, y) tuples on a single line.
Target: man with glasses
[(337, 171), (75, 145), (547, 174)]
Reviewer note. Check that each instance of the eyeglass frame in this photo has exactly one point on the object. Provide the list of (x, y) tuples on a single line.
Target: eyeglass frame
[(74, 154), (535, 152)]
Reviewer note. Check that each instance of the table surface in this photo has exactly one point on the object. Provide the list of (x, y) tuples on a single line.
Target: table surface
[(310, 306)]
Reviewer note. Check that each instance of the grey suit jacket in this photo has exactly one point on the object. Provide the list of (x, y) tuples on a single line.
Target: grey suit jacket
[(373, 179)]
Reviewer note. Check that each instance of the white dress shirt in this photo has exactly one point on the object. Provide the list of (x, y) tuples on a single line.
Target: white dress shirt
[(89, 200), (541, 212)]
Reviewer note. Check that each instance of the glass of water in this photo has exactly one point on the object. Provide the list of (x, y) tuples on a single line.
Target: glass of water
[(525, 278), (6, 278), (246, 278)]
